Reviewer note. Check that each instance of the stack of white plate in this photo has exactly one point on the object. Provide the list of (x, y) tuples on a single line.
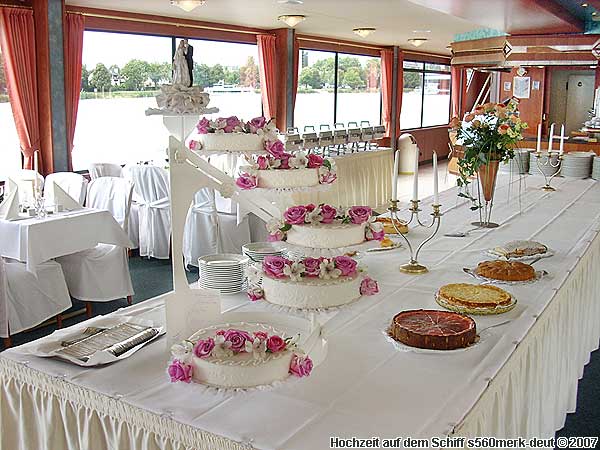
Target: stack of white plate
[(544, 165), (257, 251), (577, 164), (519, 164), (223, 272), (596, 168)]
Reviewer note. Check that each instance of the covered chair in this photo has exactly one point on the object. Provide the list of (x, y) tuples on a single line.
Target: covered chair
[(151, 192), (98, 170), (102, 274), (208, 231), (27, 300), (72, 183), (25, 179)]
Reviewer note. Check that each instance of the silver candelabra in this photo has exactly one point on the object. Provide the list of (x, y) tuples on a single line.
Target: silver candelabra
[(549, 163), (413, 267)]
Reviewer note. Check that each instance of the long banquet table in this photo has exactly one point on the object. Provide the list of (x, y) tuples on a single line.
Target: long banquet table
[(519, 380)]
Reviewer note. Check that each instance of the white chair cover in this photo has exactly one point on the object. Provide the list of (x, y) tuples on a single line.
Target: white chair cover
[(208, 231), (72, 183), (151, 188), (98, 170), (26, 300), (25, 179), (102, 274)]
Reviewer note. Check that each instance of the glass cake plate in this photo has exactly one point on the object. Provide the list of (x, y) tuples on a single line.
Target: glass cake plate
[(539, 274)]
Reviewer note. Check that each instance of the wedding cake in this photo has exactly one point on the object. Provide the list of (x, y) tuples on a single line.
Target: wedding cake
[(324, 226), (239, 355), (280, 170), (177, 99), (230, 134), (310, 283)]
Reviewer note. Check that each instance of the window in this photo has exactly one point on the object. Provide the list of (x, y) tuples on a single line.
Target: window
[(337, 88), (121, 75), (10, 156), (426, 95)]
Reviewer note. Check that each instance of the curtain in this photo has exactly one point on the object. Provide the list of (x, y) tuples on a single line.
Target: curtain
[(17, 40), (457, 83), (387, 95), (268, 73), (73, 44)]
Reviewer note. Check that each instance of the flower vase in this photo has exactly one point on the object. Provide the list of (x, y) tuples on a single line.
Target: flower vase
[(487, 175)]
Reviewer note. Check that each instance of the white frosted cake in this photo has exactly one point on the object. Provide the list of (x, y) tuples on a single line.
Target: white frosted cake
[(309, 283), (332, 235), (238, 355), (272, 179), (230, 142)]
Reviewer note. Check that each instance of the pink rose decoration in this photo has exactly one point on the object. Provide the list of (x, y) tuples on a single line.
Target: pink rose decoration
[(204, 347), (312, 267), (255, 294), (301, 366), (295, 215), (192, 145), (359, 214), (231, 123), (275, 237), (263, 162), (346, 264), (258, 123), (275, 148), (314, 161), (179, 371), (377, 235), (310, 207), (328, 178), (328, 213), (238, 339), (261, 335), (203, 126), (285, 161), (275, 344), (369, 286), (273, 266), (246, 181)]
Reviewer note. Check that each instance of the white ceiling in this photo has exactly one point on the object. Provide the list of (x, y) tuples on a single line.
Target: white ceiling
[(395, 20)]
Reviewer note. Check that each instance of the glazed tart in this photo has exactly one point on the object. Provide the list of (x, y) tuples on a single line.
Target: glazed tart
[(435, 330), (505, 270), (474, 295)]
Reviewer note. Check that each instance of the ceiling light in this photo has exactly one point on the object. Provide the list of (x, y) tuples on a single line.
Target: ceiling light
[(291, 20), (421, 31), (584, 5), (290, 2), (363, 32), (595, 13), (417, 42), (188, 5)]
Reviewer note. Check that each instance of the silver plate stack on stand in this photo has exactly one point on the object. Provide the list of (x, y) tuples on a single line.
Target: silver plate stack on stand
[(577, 165), (596, 168), (224, 272)]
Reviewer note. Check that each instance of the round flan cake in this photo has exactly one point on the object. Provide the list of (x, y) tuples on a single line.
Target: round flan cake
[(520, 249), (432, 329), (505, 270), (474, 295)]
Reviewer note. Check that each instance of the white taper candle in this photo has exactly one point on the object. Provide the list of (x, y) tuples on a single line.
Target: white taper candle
[(550, 138), (562, 139), (416, 176), (436, 197), (538, 147)]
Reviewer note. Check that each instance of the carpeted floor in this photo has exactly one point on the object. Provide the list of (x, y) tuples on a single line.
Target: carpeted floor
[(153, 277)]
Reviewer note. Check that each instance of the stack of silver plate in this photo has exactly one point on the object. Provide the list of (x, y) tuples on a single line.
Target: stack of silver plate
[(519, 164), (596, 168), (547, 168), (577, 165), (257, 251), (223, 272)]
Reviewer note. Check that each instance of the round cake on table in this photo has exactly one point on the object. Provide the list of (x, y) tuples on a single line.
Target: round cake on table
[(230, 134), (505, 270), (520, 249), (240, 355), (309, 283), (435, 330), (326, 227), (475, 298)]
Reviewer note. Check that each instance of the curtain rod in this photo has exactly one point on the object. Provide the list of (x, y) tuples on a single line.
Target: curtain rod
[(164, 22), (324, 41), (4, 5)]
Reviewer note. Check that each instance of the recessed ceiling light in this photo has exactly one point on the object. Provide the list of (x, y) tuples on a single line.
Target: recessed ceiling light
[(290, 2), (188, 5), (421, 31), (364, 31), (595, 13), (291, 20), (540, 67), (417, 42), (584, 5)]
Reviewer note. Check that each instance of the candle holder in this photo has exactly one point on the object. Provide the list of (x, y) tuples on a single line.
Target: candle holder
[(549, 163), (413, 266)]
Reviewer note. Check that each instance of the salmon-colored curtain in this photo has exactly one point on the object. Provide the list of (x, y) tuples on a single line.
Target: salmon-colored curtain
[(457, 83), (17, 40), (387, 84), (268, 73), (73, 44)]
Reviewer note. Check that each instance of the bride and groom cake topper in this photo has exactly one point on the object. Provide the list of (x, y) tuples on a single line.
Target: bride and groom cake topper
[(183, 64)]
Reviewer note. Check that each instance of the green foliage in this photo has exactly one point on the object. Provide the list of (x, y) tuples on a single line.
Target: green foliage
[(354, 78), (311, 77), (134, 74), (159, 73), (3, 86), (249, 74), (85, 78), (100, 78), (412, 80)]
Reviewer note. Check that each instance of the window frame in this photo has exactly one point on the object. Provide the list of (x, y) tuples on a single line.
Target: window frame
[(424, 71)]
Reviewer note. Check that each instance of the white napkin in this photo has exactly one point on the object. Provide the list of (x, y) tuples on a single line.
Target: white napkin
[(64, 199), (12, 185), (9, 208)]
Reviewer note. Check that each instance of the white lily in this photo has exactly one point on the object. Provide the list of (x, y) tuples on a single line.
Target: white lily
[(294, 271)]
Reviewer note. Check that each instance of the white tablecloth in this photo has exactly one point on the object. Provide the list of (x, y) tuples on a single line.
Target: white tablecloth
[(520, 379), (34, 241)]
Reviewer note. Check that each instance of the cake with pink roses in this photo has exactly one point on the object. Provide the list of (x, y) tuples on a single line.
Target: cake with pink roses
[(281, 170), (239, 355), (324, 226), (309, 283), (230, 134)]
